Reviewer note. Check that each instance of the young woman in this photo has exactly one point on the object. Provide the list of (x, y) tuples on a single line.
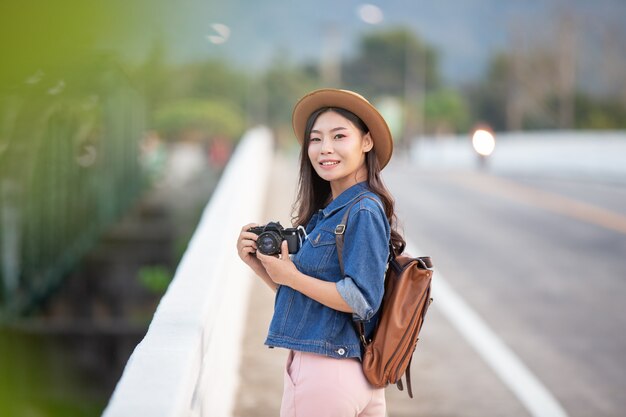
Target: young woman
[(345, 144)]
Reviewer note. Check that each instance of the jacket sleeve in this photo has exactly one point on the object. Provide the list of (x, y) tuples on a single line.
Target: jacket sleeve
[(365, 255)]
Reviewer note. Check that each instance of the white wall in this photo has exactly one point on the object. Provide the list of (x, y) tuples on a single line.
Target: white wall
[(188, 362), (578, 154)]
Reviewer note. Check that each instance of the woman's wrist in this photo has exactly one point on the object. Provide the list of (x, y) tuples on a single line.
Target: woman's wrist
[(291, 279)]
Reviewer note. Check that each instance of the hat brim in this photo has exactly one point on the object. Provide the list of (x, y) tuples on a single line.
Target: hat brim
[(353, 102)]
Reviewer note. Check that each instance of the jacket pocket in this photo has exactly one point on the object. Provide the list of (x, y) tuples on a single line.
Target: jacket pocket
[(322, 237), (322, 255)]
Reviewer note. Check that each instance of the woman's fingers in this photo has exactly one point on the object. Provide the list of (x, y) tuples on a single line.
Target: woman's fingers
[(248, 226), (245, 244), (248, 250), (262, 257), (249, 236)]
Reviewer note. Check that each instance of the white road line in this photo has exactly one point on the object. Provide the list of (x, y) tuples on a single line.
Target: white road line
[(502, 360)]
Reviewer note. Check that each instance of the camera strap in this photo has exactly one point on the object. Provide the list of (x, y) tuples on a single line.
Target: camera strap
[(300, 236)]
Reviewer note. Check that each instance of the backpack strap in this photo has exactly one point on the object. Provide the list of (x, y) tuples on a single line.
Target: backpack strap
[(341, 229), (339, 232), (408, 378)]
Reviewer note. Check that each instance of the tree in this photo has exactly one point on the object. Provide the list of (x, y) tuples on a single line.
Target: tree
[(390, 63), (532, 84), (488, 98), (279, 89), (446, 112), (210, 79), (203, 119), (153, 79)]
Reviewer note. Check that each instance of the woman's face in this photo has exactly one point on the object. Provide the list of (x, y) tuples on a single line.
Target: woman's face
[(337, 151)]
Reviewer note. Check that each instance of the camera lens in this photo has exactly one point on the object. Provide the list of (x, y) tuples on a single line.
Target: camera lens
[(268, 243)]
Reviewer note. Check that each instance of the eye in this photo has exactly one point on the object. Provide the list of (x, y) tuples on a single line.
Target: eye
[(339, 136), (314, 139)]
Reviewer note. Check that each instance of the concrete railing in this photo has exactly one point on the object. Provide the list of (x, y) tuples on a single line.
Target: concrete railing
[(188, 362)]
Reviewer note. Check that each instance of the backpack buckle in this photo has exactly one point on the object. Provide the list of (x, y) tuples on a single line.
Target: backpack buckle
[(340, 229)]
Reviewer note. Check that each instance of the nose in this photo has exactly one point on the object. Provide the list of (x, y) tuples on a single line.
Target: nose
[(327, 146)]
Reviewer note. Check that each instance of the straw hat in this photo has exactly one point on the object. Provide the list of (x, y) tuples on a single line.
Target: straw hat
[(353, 102)]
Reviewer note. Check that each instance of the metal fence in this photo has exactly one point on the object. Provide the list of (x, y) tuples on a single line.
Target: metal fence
[(69, 166)]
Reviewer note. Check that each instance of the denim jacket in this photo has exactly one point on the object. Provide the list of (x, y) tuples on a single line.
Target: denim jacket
[(301, 323)]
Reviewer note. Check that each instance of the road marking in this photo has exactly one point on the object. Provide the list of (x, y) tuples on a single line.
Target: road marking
[(533, 395), (549, 201)]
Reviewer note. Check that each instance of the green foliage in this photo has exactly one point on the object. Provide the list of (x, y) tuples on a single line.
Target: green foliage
[(487, 97), (276, 92), (594, 113), (446, 111), (153, 79), (210, 79), (198, 99), (390, 61), (69, 166), (487, 105), (155, 278), (206, 118), (283, 85), (508, 99), (53, 36), (40, 378)]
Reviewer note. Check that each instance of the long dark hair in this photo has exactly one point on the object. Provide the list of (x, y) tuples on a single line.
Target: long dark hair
[(314, 193)]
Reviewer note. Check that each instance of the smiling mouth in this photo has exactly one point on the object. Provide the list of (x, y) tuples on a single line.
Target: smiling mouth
[(329, 163)]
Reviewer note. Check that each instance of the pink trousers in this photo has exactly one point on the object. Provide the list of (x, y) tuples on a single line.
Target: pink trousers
[(319, 386)]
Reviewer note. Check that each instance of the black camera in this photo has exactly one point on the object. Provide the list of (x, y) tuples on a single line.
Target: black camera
[(272, 235)]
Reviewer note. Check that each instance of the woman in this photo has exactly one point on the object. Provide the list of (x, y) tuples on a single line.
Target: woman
[(345, 144)]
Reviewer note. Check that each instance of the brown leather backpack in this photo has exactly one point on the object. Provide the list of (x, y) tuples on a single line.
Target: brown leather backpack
[(388, 354)]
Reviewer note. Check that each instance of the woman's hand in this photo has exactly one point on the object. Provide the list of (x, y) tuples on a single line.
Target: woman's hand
[(246, 247), (280, 269)]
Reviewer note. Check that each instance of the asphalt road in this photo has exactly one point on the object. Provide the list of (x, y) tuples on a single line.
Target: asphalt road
[(542, 261)]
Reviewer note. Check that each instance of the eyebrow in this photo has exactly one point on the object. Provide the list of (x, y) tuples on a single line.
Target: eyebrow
[(332, 130)]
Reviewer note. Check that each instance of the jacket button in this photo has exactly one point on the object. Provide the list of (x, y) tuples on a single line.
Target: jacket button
[(341, 351)]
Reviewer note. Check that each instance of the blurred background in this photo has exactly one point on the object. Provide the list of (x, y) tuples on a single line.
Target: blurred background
[(118, 118)]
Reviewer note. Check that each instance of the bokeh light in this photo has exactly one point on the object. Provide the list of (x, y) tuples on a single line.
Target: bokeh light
[(221, 35), (484, 142), (370, 13)]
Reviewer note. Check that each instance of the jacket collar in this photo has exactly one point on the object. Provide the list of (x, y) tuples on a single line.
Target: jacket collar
[(345, 198)]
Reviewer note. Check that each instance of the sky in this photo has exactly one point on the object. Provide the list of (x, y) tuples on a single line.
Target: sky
[(466, 32)]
